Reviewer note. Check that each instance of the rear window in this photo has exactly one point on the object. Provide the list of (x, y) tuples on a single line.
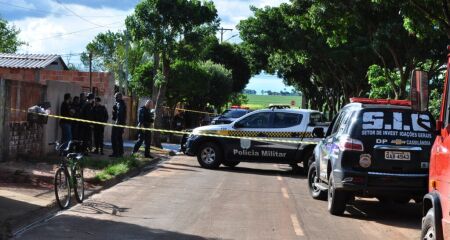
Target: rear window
[(394, 126), (234, 113), (285, 120)]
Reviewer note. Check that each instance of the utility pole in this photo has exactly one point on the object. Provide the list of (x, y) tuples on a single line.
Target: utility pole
[(90, 71), (222, 30)]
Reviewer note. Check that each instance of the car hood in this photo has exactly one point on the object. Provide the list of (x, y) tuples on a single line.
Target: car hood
[(212, 128)]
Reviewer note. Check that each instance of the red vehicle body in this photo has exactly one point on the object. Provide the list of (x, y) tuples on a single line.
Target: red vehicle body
[(436, 204)]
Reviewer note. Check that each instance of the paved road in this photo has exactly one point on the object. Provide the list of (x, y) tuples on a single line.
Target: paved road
[(179, 200)]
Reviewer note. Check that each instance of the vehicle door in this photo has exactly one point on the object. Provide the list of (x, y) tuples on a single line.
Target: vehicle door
[(440, 163), (328, 147), (286, 126), (255, 126)]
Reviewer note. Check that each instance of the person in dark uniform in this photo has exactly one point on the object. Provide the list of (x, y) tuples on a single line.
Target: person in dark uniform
[(76, 107), (86, 128), (119, 117), (145, 119), (100, 114), (65, 111)]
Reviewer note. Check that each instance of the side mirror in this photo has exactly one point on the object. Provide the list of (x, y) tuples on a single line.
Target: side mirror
[(318, 132), (419, 91)]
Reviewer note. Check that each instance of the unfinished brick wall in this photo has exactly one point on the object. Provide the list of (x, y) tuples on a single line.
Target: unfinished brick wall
[(25, 140), (101, 81)]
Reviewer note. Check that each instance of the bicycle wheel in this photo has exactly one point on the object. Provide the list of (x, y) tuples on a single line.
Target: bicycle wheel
[(77, 173), (62, 188)]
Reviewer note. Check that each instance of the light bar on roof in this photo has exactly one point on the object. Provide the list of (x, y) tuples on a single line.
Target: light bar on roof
[(381, 101)]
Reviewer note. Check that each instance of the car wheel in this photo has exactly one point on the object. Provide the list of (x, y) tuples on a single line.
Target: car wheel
[(230, 164), (209, 156), (313, 179), (337, 200), (429, 227)]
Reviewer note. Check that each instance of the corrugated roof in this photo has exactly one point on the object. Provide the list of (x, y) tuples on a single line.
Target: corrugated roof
[(13, 60)]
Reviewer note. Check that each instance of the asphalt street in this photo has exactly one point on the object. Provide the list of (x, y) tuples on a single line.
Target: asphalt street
[(180, 200)]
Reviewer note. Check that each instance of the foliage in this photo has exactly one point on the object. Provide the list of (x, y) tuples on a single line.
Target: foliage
[(238, 99), (232, 57), (435, 102), (142, 80), (379, 83), (9, 37), (199, 84)]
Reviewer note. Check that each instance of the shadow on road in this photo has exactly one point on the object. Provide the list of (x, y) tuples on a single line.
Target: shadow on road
[(98, 207), (266, 172), (397, 215), (74, 227), (284, 172)]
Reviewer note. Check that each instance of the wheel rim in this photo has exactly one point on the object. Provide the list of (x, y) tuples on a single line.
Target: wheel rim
[(430, 235), (80, 182), (330, 193), (208, 155), (313, 182), (63, 188)]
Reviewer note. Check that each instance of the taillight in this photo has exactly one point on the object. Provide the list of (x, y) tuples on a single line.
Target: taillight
[(350, 144)]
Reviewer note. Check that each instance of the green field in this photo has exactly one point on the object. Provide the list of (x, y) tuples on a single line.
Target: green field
[(262, 101)]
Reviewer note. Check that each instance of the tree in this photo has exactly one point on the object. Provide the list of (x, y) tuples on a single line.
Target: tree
[(233, 58), (160, 24), (9, 37)]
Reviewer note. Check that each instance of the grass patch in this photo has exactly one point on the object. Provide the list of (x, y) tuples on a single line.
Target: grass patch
[(114, 167), (263, 101)]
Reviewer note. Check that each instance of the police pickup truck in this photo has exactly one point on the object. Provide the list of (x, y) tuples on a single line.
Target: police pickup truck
[(301, 128)]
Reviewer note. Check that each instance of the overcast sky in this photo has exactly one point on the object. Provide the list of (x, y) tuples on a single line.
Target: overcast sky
[(65, 26)]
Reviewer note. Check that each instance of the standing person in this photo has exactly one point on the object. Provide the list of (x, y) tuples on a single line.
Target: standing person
[(100, 114), (76, 107), (65, 111), (145, 119), (119, 118), (86, 128)]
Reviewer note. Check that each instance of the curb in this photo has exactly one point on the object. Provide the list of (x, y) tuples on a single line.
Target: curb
[(13, 227)]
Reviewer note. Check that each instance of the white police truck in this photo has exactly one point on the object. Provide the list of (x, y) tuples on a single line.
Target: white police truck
[(298, 129)]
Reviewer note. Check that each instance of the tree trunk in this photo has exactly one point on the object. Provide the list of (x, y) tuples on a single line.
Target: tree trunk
[(160, 100), (155, 135)]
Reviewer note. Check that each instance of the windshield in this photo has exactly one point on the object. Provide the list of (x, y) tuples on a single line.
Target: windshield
[(234, 113)]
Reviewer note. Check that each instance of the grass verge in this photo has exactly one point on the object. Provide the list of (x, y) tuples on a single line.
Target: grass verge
[(113, 167)]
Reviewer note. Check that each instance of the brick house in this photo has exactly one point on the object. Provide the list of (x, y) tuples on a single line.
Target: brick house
[(29, 79)]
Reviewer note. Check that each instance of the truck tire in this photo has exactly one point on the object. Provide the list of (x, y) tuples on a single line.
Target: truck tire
[(337, 200), (210, 155), (313, 178), (429, 227)]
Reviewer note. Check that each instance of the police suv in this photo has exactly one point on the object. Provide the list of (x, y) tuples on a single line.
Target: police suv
[(373, 148), (300, 128)]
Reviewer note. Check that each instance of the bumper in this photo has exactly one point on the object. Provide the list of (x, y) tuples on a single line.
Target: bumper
[(190, 146), (381, 184)]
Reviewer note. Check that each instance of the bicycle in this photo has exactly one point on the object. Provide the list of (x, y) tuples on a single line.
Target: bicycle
[(69, 174)]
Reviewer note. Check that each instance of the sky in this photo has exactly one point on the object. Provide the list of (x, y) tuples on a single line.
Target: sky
[(65, 27)]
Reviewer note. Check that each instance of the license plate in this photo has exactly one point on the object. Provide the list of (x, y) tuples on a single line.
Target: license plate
[(394, 155)]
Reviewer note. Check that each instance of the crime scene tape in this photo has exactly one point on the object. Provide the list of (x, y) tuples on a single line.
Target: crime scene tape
[(169, 131), (195, 111)]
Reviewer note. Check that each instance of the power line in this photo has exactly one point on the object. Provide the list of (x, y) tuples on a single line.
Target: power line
[(44, 11), (82, 30), (74, 13)]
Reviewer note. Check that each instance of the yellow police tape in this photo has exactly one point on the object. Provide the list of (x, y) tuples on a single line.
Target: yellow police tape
[(195, 111), (222, 134)]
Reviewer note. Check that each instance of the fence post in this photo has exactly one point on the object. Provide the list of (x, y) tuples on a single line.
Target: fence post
[(4, 133)]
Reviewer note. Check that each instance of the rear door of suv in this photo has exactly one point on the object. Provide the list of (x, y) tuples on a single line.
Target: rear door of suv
[(394, 140)]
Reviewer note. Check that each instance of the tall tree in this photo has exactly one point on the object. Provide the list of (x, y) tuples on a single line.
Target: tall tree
[(160, 24), (9, 37)]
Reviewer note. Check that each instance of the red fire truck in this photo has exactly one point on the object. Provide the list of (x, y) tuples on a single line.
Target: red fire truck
[(436, 204)]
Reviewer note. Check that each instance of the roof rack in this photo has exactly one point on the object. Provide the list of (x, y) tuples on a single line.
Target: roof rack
[(279, 106), (381, 101)]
